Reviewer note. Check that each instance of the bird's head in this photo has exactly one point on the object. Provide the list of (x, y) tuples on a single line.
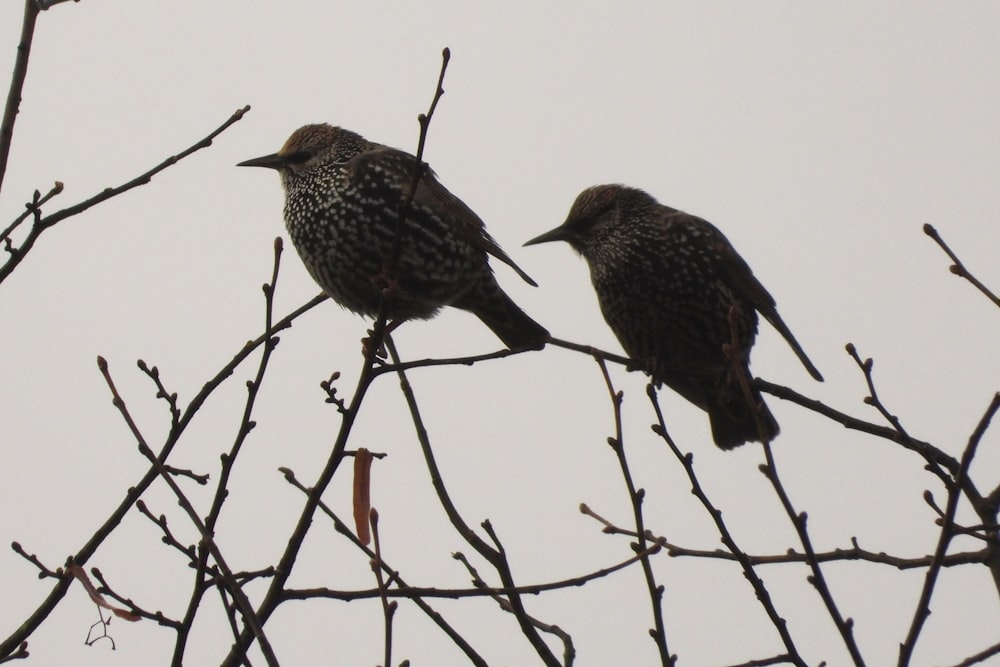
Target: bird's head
[(310, 147), (595, 215)]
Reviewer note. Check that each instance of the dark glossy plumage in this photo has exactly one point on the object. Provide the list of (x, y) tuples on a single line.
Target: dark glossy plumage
[(343, 199), (666, 281)]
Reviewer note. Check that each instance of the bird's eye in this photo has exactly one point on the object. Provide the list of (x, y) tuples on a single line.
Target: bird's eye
[(298, 157)]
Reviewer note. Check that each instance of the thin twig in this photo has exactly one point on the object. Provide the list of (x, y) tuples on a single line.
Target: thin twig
[(981, 656), (43, 571), (133, 608), (765, 662), (17, 78), (31, 209), (872, 399), (799, 520), (923, 609), (134, 492), (207, 539), (419, 169), (388, 608), (958, 268), (763, 595), (201, 563), (276, 591), (932, 454), (402, 588), (168, 537), (569, 650), (790, 555), (17, 254), (494, 556), (20, 653), (417, 593), (597, 353), (636, 496)]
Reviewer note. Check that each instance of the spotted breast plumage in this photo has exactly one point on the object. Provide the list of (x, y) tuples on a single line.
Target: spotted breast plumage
[(343, 199), (666, 282)]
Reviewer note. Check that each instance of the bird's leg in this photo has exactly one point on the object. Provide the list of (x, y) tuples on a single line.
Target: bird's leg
[(386, 281), (367, 341), (388, 285)]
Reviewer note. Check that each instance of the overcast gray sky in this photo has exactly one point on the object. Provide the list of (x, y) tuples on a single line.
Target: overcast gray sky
[(819, 138)]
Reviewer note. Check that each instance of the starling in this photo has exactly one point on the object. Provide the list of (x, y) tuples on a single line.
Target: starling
[(343, 199), (666, 282)]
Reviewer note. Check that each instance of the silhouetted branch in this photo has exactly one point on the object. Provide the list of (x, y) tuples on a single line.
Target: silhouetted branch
[(43, 571), (494, 556), (207, 539), (923, 609), (799, 519), (388, 608), (286, 563), (33, 209), (931, 453), (569, 651), (872, 398), (161, 392), (764, 662), (42, 223), (958, 268), (17, 78), (402, 588), (597, 353), (135, 492), (168, 538), (417, 593), (763, 595), (636, 496), (738, 365), (20, 653), (790, 555), (133, 608), (980, 657)]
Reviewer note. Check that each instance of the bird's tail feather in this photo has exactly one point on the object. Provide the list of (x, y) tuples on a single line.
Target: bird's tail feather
[(735, 421)]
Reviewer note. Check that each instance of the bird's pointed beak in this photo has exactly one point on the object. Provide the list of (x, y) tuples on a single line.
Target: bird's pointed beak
[(273, 161), (557, 234)]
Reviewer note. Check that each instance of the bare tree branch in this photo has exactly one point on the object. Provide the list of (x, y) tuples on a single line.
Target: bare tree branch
[(658, 632), (923, 609), (207, 538), (17, 78), (42, 223), (958, 268), (763, 595)]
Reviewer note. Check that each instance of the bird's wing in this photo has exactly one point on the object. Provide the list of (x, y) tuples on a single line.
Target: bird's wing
[(737, 274), (431, 195)]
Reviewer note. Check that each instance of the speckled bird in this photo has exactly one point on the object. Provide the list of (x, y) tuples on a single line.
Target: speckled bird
[(343, 198), (666, 282)]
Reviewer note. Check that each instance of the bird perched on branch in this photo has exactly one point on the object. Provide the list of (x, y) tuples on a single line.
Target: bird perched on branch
[(344, 196), (677, 296)]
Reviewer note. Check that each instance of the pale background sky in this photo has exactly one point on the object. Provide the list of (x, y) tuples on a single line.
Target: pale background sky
[(819, 138)]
